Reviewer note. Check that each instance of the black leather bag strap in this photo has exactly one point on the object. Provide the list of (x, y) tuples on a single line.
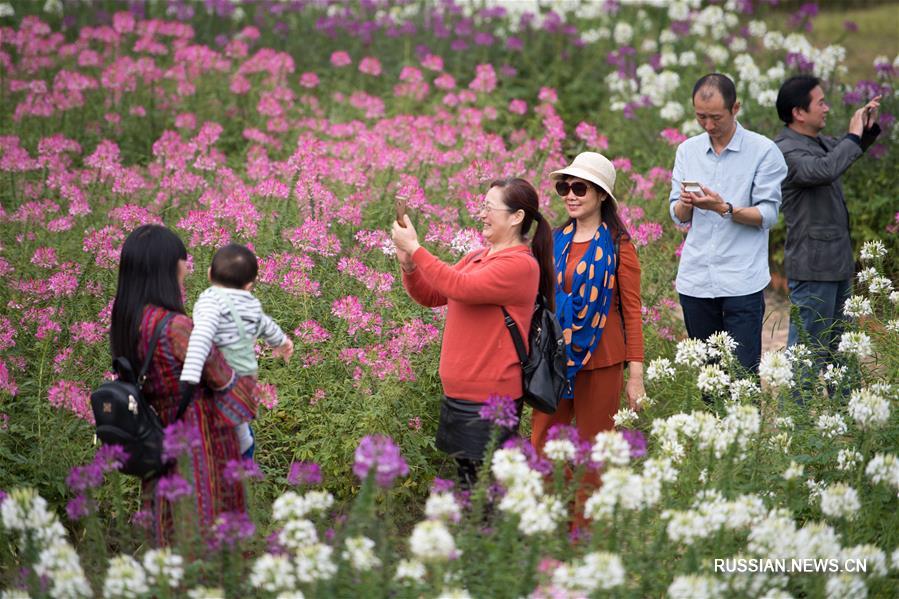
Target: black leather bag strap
[(516, 337), (157, 332)]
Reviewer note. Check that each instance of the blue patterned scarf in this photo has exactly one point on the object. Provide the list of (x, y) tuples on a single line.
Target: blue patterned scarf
[(582, 313)]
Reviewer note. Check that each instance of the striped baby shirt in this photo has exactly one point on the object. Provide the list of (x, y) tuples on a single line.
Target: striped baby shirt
[(213, 323)]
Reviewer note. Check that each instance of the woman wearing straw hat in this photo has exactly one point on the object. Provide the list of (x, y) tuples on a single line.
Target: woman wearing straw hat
[(597, 301)]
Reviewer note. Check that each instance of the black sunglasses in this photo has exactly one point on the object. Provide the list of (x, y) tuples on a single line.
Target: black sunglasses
[(578, 187)]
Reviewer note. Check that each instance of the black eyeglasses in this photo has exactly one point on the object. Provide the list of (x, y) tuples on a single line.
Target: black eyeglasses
[(578, 187)]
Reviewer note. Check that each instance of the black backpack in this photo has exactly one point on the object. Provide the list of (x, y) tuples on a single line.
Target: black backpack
[(124, 417), (544, 371)]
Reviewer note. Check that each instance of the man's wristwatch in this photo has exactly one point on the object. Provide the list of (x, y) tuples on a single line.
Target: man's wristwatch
[(729, 211)]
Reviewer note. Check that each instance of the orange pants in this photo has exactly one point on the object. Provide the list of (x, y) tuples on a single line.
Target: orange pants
[(597, 395)]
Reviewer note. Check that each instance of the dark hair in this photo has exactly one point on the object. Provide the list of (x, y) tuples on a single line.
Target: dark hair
[(518, 194), (608, 213), (722, 83), (796, 92), (234, 266), (148, 274)]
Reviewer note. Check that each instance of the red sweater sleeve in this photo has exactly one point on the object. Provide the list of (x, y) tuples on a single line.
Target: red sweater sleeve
[(631, 300), (420, 290), (498, 282)]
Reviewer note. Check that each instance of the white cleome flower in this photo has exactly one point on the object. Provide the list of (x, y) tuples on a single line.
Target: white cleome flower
[(839, 500), (598, 570), (672, 111), (625, 418), (298, 533), (410, 570), (868, 408), (313, 562), (857, 344), (432, 542), (508, 465), (866, 274), (359, 551), (742, 390), (560, 450), (659, 369), (695, 586), (873, 250), (443, 506), (712, 379), (691, 352), (794, 471), (623, 33), (611, 447), (164, 567), (884, 468), (880, 286), (775, 369), (831, 425), (848, 459), (273, 573), (846, 586), (125, 578), (59, 563), (541, 516), (857, 306)]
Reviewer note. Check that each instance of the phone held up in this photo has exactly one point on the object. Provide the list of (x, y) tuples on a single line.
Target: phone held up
[(692, 186), (401, 212)]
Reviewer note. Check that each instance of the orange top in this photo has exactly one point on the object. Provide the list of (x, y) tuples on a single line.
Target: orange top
[(612, 348), (478, 357)]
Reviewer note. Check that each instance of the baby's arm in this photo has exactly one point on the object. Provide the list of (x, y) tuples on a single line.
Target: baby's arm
[(206, 319), (275, 337)]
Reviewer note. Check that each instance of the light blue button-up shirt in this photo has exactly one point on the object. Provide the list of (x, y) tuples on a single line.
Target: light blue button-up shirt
[(722, 258)]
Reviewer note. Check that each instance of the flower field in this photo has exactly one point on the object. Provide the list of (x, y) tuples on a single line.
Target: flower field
[(291, 127)]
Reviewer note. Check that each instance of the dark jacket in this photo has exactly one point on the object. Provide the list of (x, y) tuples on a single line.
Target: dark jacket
[(819, 247)]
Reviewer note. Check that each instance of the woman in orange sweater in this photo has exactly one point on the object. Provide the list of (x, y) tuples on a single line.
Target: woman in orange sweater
[(598, 304), (478, 358)]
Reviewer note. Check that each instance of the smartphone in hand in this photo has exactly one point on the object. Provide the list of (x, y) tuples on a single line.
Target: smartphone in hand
[(401, 211), (692, 186)]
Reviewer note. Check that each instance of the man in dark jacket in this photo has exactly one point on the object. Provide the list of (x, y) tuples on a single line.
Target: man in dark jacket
[(818, 255)]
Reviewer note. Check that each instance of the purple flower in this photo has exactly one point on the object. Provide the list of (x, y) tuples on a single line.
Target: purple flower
[(142, 519), (173, 487), (230, 529), (501, 411), (379, 454), (304, 473), (442, 485), (540, 464), (273, 544), (240, 470), (2, 495), (110, 457), (82, 478), (850, 26), (78, 507), (852, 97), (637, 441), (181, 437)]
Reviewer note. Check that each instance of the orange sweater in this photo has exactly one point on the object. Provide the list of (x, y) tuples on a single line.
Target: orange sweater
[(478, 357), (612, 348)]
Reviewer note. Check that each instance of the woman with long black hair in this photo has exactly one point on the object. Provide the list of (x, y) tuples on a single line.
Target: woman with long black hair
[(152, 269), (478, 358)]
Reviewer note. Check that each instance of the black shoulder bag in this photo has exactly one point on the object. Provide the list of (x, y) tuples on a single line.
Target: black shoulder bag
[(124, 417), (544, 371)]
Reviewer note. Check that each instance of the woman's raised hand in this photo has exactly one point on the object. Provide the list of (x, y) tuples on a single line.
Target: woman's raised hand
[(405, 238)]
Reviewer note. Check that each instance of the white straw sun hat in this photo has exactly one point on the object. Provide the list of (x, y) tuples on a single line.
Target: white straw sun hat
[(593, 167)]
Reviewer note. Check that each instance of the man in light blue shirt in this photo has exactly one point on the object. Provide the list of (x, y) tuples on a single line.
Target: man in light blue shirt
[(724, 263)]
